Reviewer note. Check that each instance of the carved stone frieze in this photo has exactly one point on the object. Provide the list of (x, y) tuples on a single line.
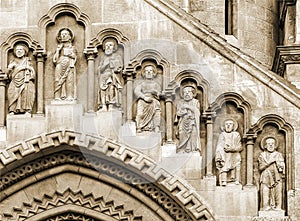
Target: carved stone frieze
[(179, 192), (70, 200)]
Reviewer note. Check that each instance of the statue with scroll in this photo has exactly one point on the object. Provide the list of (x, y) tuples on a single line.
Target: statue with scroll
[(21, 89), (188, 120), (228, 156), (109, 77), (65, 72), (272, 167), (148, 113)]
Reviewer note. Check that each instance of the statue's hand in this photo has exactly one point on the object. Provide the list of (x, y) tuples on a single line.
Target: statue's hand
[(59, 47)]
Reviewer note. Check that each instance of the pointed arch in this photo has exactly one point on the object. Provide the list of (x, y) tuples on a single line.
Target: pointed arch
[(62, 8), (47, 151)]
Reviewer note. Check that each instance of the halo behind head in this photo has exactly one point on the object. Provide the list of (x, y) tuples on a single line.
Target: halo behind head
[(264, 139), (58, 37), (146, 64), (110, 39), (25, 47), (189, 83), (235, 124)]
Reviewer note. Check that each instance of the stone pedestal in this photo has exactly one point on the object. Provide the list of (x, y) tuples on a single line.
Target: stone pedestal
[(186, 165), (148, 143), (108, 124), (64, 115), (22, 127), (271, 215)]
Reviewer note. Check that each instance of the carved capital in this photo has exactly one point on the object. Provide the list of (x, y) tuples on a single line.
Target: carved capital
[(250, 137), (209, 116), (129, 73), (3, 78), (90, 53), (40, 55)]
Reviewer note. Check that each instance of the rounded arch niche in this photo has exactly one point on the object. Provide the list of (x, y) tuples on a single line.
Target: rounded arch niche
[(71, 174)]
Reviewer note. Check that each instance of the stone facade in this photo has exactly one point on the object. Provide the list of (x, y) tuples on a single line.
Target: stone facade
[(144, 112)]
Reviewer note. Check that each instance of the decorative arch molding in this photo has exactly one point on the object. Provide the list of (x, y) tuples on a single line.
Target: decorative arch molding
[(288, 130), (61, 8), (108, 32), (75, 203), (240, 102), (149, 54), (195, 75), (13, 39), (173, 187)]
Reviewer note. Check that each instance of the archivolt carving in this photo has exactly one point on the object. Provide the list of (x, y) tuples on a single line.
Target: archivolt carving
[(108, 33), (71, 201), (177, 189)]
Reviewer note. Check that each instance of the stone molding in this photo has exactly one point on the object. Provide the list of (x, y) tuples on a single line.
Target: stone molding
[(53, 12), (195, 75), (108, 32), (175, 186), (284, 7), (213, 40), (240, 102), (71, 201), (285, 55)]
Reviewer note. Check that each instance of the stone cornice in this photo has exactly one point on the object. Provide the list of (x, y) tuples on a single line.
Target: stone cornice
[(205, 34), (285, 55)]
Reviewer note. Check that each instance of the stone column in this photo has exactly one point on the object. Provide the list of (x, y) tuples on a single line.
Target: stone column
[(3, 79), (169, 118), (129, 74), (209, 119), (91, 54), (40, 55), (250, 138)]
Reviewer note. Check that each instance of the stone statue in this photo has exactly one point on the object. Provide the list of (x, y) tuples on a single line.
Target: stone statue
[(148, 113), (228, 157), (272, 167), (109, 77), (65, 73), (21, 89), (188, 119)]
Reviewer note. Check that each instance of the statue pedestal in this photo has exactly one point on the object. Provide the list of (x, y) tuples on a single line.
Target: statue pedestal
[(272, 215), (63, 115), (186, 165), (22, 126), (148, 143)]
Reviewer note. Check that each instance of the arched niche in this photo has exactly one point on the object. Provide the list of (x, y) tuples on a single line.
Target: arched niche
[(90, 171), (36, 54), (275, 125), (232, 105), (65, 15), (8, 45), (201, 94), (60, 9)]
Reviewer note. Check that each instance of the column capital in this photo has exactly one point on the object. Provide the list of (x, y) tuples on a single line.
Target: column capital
[(90, 53), (40, 54), (250, 136), (3, 78), (129, 72), (169, 96), (209, 115)]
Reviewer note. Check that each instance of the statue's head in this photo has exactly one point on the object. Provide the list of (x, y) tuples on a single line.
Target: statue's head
[(109, 46), (188, 90), (21, 50), (65, 35), (269, 143), (149, 71), (229, 125)]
